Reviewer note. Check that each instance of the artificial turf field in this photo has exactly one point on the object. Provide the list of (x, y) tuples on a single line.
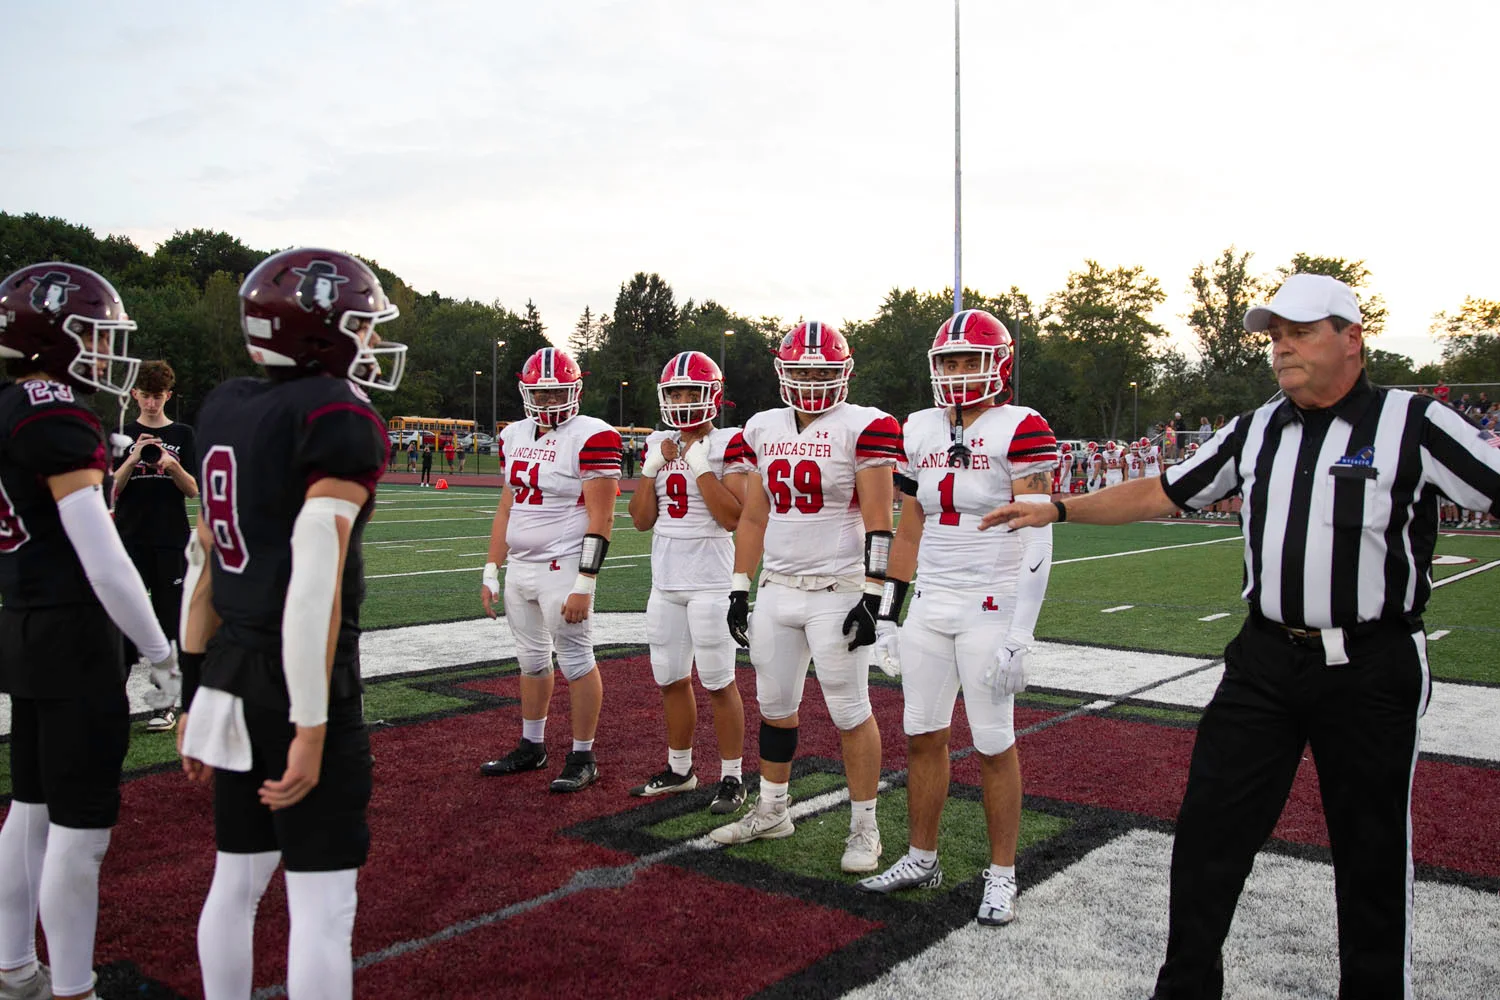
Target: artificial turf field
[(488, 888)]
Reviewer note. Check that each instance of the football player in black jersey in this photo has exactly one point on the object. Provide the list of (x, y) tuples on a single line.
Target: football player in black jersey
[(68, 590), (273, 716)]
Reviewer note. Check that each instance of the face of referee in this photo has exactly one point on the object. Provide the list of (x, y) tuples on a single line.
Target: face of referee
[(1316, 364)]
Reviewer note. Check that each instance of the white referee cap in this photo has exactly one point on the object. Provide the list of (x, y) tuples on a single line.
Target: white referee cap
[(1306, 298)]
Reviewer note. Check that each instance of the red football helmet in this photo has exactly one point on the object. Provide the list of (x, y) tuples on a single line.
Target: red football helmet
[(1093, 446), (551, 371), (690, 370), (1066, 447), (810, 350), (316, 311), (1144, 442), (67, 321), (972, 331)]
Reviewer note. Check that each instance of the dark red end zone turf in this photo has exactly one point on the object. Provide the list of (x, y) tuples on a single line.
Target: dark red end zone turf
[(450, 846)]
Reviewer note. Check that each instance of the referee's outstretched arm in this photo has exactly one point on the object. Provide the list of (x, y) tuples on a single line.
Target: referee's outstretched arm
[(1133, 500)]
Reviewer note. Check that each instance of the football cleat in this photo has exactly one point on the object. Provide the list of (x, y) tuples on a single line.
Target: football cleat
[(862, 851), (667, 782), (38, 987), (908, 873), (162, 722), (998, 906), (527, 756), (579, 772), (756, 825), (729, 796)]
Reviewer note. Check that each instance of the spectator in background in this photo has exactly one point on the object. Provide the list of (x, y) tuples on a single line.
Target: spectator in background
[(1484, 400), (1218, 423), (427, 449), (152, 486), (1464, 403), (1169, 441), (1204, 430), (629, 456), (448, 453), (411, 453), (463, 453), (1440, 391)]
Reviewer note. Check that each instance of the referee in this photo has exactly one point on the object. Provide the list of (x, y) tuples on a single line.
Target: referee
[(1341, 481)]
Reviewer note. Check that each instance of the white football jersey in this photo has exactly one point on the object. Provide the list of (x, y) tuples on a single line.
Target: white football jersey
[(546, 469), (815, 527), (1152, 456), (1005, 443), (1135, 466), (689, 549)]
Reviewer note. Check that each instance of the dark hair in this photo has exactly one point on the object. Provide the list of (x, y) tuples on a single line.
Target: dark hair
[(155, 376)]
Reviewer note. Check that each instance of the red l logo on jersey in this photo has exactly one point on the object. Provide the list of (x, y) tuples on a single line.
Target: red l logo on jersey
[(554, 567), (989, 605)]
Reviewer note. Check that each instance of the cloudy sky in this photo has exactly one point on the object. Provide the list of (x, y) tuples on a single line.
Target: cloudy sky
[(788, 157)]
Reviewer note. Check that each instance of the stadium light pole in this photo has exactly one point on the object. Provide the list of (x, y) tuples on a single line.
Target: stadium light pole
[(958, 278), (474, 399), (722, 341), (1135, 412), (494, 374), (623, 384)]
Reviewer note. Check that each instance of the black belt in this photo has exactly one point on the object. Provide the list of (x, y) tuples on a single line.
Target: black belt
[(1314, 637)]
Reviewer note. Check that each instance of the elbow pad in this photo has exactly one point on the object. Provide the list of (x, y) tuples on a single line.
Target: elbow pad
[(116, 581), (308, 616), (1036, 567)]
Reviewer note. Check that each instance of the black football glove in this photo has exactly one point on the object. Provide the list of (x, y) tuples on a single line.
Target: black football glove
[(739, 617), (860, 621)]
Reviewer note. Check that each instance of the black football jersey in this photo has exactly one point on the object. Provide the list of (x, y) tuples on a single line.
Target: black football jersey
[(150, 509), (261, 444), (46, 431)]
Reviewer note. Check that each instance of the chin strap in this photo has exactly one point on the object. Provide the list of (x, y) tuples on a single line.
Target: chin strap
[(958, 452)]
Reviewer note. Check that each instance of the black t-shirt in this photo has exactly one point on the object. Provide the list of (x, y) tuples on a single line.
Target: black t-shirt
[(44, 431), (150, 509), (263, 443), (426, 456)]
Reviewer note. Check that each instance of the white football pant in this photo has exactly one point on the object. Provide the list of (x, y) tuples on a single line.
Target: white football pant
[(948, 642), (791, 628), (687, 625)]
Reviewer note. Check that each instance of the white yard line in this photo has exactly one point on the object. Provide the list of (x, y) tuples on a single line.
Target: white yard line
[(1122, 607), (1141, 552), (1435, 636), (1214, 618), (1466, 573), (470, 569)]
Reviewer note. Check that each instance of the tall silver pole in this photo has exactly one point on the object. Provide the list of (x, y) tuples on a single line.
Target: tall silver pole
[(958, 242), (494, 397)]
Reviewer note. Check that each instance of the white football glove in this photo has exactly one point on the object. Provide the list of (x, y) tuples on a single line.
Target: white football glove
[(696, 457), (653, 463), (1007, 675), (888, 647), (491, 578), (166, 683)]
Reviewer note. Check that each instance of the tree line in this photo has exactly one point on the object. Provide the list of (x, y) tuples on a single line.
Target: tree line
[(1078, 350)]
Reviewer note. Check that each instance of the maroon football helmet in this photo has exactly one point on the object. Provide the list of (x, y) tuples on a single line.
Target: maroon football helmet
[(690, 370), (811, 351), (551, 370), (315, 311), (67, 321), (972, 331)]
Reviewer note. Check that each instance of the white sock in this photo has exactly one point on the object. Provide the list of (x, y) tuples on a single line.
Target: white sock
[(773, 794), (320, 954), (580, 746), (731, 768), (1004, 871), (861, 815), (23, 845), (925, 858), (70, 904), (534, 730), (226, 927), (680, 761)]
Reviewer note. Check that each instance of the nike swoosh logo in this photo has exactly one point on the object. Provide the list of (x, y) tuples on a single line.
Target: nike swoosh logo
[(1038, 565)]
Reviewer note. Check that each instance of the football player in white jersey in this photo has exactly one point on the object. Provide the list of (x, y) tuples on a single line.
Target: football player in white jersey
[(977, 598), (1063, 481), (1114, 464), (1095, 468), (551, 531), (818, 508), (1135, 464), (689, 497), (1151, 455)]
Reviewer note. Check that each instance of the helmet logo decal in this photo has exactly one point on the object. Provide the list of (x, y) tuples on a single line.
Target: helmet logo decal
[(319, 286), (51, 291), (682, 364)]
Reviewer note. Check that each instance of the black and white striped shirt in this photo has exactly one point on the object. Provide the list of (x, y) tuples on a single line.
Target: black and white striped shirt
[(1340, 505)]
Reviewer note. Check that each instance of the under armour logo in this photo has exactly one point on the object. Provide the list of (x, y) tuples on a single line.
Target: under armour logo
[(977, 442), (821, 434), (989, 604)]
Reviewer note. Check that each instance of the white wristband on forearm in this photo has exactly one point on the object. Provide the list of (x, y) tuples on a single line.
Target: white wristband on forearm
[(696, 458), (491, 577), (308, 617), (738, 582), (1036, 568), (196, 560), (116, 581), (653, 463), (584, 584)]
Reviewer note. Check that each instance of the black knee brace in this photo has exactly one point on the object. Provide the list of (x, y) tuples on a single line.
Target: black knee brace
[(777, 745)]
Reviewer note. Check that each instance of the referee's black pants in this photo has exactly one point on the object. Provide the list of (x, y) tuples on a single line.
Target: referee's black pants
[(1277, 696)]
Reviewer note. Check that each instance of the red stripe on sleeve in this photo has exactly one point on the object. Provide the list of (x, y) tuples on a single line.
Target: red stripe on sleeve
[(739, 451), (882, 439), (1032, 441)]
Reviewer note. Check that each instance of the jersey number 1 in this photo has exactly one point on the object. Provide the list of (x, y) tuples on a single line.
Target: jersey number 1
[(949, 513)]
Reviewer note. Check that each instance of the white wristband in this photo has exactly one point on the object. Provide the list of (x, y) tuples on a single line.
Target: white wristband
[(584, 584), (697, 458), (653, 463), (491, 577), (740, 581)]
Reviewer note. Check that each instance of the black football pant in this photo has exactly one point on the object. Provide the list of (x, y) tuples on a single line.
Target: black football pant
[(162, 570), (1277, 696)]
